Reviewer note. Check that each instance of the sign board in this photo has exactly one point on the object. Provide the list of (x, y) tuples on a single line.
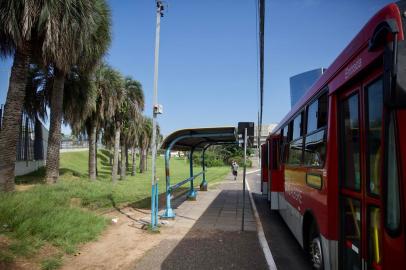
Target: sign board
[(250, 131)]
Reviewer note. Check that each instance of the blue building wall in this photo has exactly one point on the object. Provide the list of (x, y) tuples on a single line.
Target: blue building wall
[(301, 83)]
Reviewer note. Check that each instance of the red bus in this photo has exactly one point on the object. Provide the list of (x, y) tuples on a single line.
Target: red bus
[(337, 162)]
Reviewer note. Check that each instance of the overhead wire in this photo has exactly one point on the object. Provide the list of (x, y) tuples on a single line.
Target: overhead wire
[(260, 46)]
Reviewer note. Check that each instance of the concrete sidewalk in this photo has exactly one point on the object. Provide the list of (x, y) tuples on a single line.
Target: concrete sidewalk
[(206, 234)]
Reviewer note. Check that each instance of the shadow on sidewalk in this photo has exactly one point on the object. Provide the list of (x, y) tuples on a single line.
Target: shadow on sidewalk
[(215, 241)]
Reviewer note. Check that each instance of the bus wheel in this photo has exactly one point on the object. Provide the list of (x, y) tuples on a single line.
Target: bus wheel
[(315, 250)]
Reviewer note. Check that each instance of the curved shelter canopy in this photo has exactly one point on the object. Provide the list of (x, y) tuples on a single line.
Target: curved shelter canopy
[(190, 140), (198, 138)]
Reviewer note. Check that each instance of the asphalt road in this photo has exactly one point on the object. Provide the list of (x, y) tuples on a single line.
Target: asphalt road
[(286, 251)]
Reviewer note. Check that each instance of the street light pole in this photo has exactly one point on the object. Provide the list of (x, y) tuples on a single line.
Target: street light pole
[(157, 109)]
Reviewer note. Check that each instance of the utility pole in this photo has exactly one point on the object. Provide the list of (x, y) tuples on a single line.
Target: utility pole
[(157, 109)]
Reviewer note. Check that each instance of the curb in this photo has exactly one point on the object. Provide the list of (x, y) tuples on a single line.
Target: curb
[(261, 235)]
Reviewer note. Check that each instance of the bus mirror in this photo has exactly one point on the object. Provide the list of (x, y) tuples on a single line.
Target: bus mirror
[(394, 76), (397, 93), (394, 61)]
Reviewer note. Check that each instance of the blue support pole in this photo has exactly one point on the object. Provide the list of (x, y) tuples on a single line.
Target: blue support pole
[(156, 203), (203, 185), (192, 193), (168, 211), (153, 208)]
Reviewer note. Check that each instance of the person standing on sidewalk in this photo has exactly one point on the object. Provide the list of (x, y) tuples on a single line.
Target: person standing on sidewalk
[(234, 168)]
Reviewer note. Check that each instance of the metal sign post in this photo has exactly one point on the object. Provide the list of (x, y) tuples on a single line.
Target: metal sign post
[(157, 109), (243, 177)]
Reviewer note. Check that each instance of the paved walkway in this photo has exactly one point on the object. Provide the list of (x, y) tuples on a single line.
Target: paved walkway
[(206, 234)]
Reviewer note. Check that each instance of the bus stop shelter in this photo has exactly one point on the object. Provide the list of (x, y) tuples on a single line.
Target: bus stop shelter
[(191, 140)]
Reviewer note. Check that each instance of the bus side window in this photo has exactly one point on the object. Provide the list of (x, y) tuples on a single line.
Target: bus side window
[(275, 154), (282, 145), (297, 127), (315, 140)]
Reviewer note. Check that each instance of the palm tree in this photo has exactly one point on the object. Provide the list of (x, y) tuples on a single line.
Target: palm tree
[(82, 39), (109, 87), (79, 100), (131, 119), (79, 104), (130, 111), (145, 139), (16, 39), (55, 33)]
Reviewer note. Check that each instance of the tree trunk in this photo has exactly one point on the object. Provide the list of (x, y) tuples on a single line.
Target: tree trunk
[(110, 157), (123, 171), (146, 159), (92, 152), (12, 119), (97, 168), (141, 160), (54, 138), (127, 165), (133, 162), (115, 156), (38, 141)]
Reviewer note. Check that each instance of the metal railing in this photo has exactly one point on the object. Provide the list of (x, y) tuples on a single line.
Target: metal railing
[(74, 144)]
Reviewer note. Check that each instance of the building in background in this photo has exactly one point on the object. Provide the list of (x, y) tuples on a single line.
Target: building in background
[(265, 131), (301, 83), (32, 144)]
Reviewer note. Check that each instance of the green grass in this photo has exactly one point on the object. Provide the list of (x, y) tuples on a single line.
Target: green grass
[(59, 214), (52, 263)]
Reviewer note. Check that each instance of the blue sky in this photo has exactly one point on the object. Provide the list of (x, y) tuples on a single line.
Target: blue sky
[(208, 55)]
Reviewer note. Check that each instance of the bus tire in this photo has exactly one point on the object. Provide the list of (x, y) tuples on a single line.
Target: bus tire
[(315, 249)]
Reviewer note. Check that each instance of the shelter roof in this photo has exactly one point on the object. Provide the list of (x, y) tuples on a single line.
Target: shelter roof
[(186, 139)]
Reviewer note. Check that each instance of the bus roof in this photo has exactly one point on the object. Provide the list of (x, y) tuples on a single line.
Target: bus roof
[(346, 58)]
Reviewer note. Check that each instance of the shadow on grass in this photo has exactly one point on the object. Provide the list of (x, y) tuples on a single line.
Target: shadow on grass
[(104, 156), (38, 176)]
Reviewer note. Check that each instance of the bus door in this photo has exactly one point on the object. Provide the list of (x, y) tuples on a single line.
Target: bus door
[(361, 159), (264, 168), (276, 182)]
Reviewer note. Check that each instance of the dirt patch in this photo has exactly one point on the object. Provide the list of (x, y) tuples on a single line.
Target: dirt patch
[(24, 187), (21, 263), (122, 244), (118, 247)]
